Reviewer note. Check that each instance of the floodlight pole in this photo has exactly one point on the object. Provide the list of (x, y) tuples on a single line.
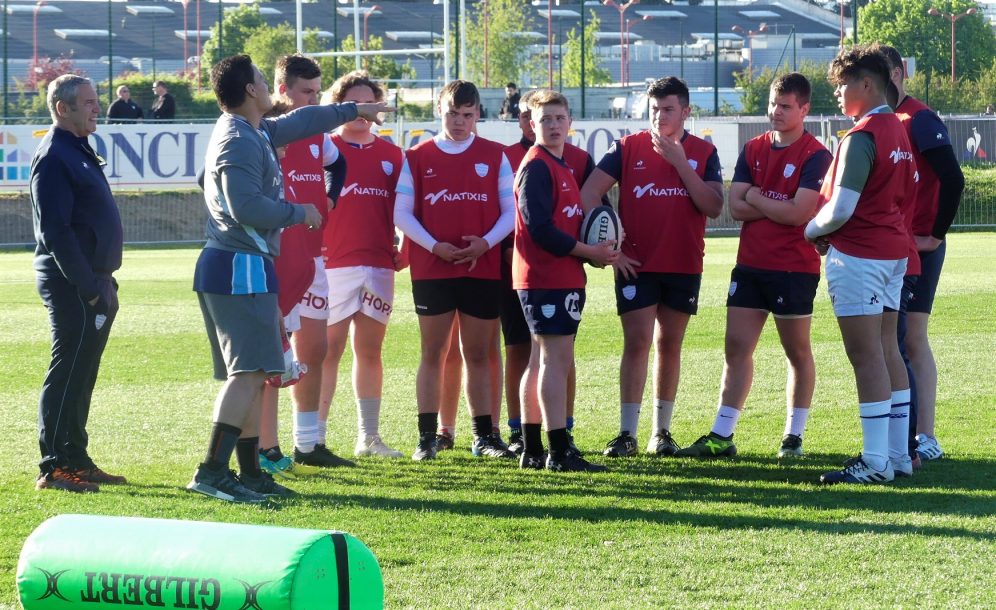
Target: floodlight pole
[(582, 59), (298, 9), (356, 31), (110, 53), (715, 59), (6, 97)]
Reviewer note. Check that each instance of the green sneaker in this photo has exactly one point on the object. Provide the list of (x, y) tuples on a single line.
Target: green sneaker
[(285, 468), (710, 445)]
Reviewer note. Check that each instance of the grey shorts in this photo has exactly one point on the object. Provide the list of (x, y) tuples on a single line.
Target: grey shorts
[(244, 332)]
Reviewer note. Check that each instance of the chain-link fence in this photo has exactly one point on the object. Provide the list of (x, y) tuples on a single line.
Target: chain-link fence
[(178, 216)]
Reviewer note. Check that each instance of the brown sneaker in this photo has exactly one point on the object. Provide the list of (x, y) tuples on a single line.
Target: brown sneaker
[(96, 475), (66, 481)]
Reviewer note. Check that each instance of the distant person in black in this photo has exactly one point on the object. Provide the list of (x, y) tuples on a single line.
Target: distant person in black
[(124, 109), (78, 233), (164, 108), (510, 105)]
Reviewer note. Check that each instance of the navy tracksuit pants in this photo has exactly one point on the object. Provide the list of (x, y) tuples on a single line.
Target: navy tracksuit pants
[(79, 335)]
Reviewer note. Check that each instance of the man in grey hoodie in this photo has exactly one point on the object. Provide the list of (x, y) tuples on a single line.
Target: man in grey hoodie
[(235, 278)]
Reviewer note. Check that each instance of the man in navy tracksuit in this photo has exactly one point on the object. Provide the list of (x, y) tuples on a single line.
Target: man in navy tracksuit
[(79, 241)]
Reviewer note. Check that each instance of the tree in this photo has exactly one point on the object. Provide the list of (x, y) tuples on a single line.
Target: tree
[(508, 55), (755, 88), (595, 74), (905, 24), (238, 26), (267, 44)]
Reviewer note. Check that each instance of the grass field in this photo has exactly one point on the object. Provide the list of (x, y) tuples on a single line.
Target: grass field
[(464, 533)]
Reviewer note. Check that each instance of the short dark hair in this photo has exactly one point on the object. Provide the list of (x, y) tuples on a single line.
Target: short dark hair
[(793, 82), (229, 78), (356, 78), (669, 85), (511, 84), (892, 54), (460, 93), (860, 61), (292, 67), (160, 83)]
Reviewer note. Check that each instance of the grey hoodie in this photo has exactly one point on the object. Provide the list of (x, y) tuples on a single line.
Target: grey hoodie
[(243, 182)]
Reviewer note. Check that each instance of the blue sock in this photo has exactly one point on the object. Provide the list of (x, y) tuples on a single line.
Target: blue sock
[(570, 423), (515, 424)]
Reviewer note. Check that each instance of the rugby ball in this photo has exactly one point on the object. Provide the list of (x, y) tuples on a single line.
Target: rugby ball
[(601, 224)]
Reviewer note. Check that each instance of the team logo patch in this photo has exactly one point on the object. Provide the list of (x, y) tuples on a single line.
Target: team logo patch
[(639, 165), (789, 170), (693, 163), (387, 166), (573, 306), (629, 292), (481, 169), (548, 310), (315, 151), (733, 288)]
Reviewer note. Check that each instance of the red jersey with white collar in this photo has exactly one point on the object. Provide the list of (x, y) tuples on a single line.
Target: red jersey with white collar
[(532, 265), (304, 182), (764, 243), (664, 229), (360, 231), (455, 195), (877, 229)]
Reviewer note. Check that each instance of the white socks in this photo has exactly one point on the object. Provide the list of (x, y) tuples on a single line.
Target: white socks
[(306, 431), (726, 421), (367, 417), (663, 409), (875, 432), (323, 425), (795, 420), (629, 417), (899, 424)]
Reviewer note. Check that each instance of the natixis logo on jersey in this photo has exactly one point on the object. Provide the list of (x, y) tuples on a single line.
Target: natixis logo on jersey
[(572, 210), (15, 163), (774, 195), (900, 155), (302, 177), (148, 590), (356, 189), (652, 190), (446, 196)]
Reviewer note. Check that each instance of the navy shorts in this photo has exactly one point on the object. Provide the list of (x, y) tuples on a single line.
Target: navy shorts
[(783, 293), (926, 287), (472, 296), (679, 291), (909, 287), (552, 312), (513, 323)]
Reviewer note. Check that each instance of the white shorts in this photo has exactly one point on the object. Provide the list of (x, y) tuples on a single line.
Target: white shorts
[(315, 303), (369, 290), (863, 286)]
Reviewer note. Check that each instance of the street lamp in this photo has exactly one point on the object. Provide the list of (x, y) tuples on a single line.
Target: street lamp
[(367, 11), (34, 54), (629, 27), (750, 34), (953, 19), (622, 34)]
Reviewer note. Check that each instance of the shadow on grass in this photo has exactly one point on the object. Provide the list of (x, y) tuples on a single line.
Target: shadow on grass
[(612, 513), (728, 482)]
